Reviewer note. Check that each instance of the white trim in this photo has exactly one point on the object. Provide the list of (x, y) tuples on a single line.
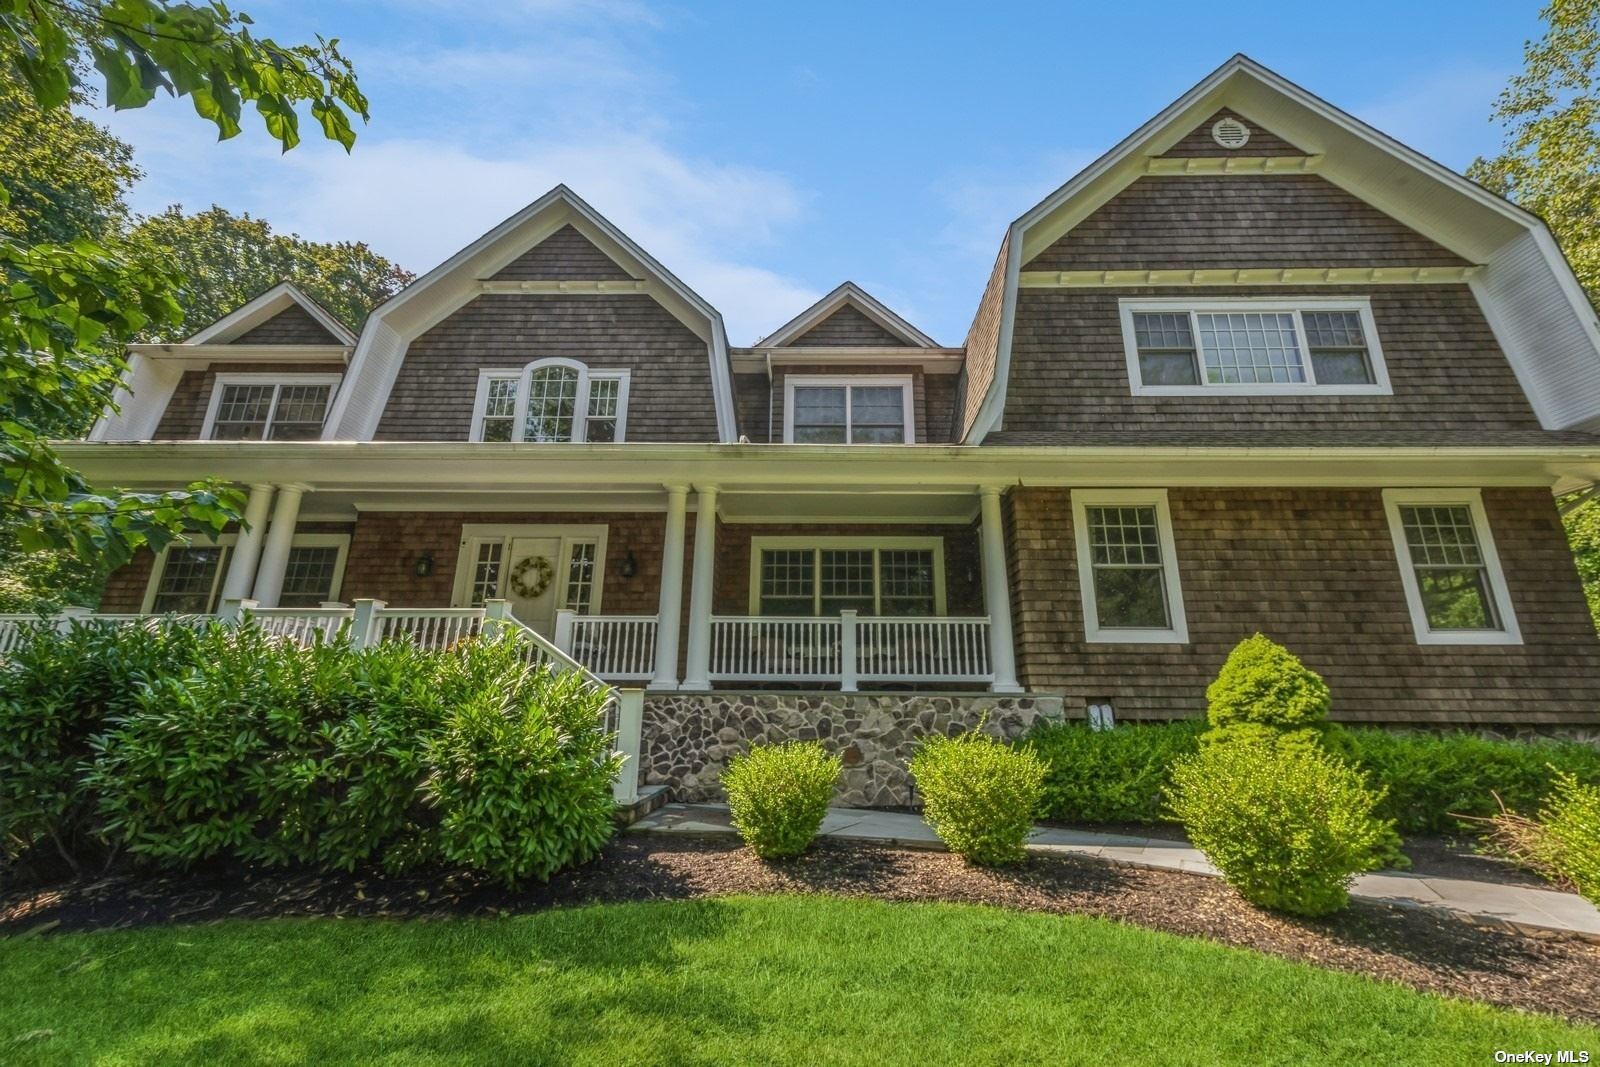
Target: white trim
[(1294, 305), (473, 534), (863, 301), (260, 309), (1509, 632), (277, 381), (1199, 276), (847, 541), (580, 426), (230, 541), (904, 381), (1177, 633)]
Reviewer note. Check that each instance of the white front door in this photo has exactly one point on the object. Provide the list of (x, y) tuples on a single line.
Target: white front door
[(538, 561)]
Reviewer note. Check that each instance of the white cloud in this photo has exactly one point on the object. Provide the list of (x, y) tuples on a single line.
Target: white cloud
[(1444, 114)]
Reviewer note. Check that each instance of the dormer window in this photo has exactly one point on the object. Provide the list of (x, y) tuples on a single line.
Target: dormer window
[(551, 400), (849, 409), (1260, 345), (253, 407)]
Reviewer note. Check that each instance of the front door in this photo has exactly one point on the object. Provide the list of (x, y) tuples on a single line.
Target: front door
[(533, 581)]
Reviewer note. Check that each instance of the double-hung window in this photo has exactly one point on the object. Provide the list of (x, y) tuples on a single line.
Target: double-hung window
[(187, 579), (551, 400), (248, 407), (1265, 346), (1454, 587), (1127, 567), (855, 410), (820, 578)]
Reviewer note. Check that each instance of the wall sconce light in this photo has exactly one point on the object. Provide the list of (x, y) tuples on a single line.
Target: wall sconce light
[(630, 566), (424, 565)]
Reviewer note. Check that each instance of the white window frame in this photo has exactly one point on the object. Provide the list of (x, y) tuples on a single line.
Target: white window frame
[(1177, 633), (580, 422), (759, 545), (475, 534), (1509, 633), (1293, 305), (904, 381), (231, 540), (277, 381)]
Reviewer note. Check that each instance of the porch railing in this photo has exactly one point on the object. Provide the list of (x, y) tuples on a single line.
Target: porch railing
[(755, 649), (849, 649), (14, 629), (619, 647)]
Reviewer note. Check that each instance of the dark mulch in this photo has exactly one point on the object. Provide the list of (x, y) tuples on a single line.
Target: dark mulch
[(1419, 948)]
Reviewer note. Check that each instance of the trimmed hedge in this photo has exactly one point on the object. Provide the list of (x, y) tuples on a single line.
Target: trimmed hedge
[(980, 794), (778, 795), (1115, 775), (1264, 693)]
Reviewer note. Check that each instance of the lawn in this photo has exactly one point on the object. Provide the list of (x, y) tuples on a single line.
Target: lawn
[(786, 979)]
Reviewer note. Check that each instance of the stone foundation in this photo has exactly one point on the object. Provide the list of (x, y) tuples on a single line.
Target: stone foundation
[(689, 737)]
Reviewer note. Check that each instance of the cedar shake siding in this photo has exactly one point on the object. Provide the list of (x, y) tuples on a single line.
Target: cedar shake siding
[(1316, 570), (751, 397), (983, 345), (565, 255), (294, 325), (670, 392), (1069, 376), (1198, 142), (845, 328), (185, 416), (1290, 220)]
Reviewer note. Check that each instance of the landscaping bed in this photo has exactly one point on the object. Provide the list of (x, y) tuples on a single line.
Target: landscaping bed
[(1418, 948)]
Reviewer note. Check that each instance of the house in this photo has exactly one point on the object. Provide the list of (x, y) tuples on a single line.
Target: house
[(1258, 367)]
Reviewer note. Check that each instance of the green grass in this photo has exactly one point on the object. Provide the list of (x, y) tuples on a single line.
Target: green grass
[(810, 980)]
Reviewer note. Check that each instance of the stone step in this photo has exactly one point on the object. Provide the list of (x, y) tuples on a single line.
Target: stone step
[(651, 798)]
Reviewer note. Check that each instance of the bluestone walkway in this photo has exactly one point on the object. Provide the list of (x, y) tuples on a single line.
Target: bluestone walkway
[(1517, 907)]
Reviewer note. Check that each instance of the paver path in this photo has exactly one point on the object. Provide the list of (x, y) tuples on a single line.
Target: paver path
[(1485, 902)]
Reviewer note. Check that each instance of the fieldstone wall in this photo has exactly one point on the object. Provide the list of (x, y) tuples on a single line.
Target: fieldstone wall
[(690, 737)]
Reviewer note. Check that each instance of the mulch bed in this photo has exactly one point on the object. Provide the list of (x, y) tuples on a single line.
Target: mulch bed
[(1422, 949)]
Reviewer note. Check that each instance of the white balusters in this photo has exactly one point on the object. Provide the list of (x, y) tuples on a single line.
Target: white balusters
[(614, 646)]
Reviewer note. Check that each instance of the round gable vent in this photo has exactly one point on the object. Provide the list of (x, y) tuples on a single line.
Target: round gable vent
[(1229, 132)]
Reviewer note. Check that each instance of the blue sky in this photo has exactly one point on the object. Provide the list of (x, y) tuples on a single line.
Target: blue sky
[(766, 153)]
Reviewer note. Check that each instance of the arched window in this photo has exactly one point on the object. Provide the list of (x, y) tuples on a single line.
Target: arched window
[(551, 400)]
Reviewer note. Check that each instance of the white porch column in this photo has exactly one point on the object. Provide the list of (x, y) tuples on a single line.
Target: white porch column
[(697, 674), (671, 606), (997, 594), (280, 536), (247, 549)]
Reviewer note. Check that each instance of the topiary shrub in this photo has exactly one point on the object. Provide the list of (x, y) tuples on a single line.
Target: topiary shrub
[(1117, 775), (1287, 827), (778, 795), (58, 688), (1264, 693), (520, 772), (980, 795)]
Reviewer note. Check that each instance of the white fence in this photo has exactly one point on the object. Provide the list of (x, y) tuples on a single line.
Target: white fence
[(14, 629), (620, 647)]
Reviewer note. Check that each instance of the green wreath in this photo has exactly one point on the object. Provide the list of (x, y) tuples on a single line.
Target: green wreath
[(543, 574)]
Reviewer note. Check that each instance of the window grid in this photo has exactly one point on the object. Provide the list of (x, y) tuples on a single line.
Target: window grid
[(824, 581), (1250, 347), (189, 579), (905, 577), (500, 409), (551, 401), (486, 572), (276, 411), (605, 395), (552, 404), (1311, 347), (847, 578), (308, 576), (846, 413), (787, 581), (580, 577), (1451, 571), (1129, 576), (243, 413)]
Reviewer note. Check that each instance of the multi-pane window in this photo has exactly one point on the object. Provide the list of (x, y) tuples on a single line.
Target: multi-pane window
[(190, 579), (870, 581), (1252, 347), (832, 411), (551, 401), (1129, 579), (580, 576), (1127, 570), (308, 576), (1448, 569), (486, 572), (278, 411)]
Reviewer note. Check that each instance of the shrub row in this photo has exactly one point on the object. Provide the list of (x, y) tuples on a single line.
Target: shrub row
[(180, 746)]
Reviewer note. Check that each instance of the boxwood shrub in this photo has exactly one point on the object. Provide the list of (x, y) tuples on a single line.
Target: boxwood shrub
[(979, 794), (1118, 775), (778, 795)]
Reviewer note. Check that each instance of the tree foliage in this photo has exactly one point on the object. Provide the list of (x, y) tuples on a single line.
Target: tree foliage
[(230, 258)]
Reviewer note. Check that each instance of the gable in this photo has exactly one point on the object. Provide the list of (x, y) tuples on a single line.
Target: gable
[(1290, 220), (294, 325), (565, 255), (849, 327), (1198, 142)]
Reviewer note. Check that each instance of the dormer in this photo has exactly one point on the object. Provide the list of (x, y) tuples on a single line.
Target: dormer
[(268, 370), (846, 370)]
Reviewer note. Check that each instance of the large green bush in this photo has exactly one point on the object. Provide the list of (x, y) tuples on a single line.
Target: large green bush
[(778, 795), (979, 794), (1287, 827), (1430, 779), (1570, 840), (1264, 693), (57, 689), (1115, 775)]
